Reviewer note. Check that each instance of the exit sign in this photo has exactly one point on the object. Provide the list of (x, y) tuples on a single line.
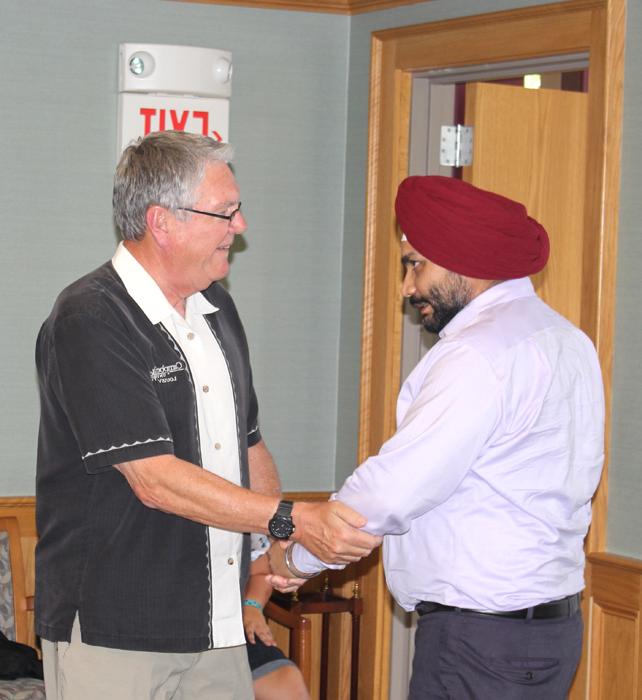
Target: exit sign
[(141, 113)]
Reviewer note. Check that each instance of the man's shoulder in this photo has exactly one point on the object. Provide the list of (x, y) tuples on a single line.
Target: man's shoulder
[(91, 294), (98, 296), (515, 333), (503, 327)]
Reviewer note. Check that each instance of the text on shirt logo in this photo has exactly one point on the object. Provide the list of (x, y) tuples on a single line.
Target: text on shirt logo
[(161, 374)]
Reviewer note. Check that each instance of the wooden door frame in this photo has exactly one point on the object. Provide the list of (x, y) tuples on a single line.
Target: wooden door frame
[(593, 26)]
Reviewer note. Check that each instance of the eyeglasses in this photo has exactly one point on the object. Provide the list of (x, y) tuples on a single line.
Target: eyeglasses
[(227, 217)]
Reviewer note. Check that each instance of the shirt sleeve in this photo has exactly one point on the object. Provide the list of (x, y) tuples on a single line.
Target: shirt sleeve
[(253, 430), (452, 415), (102, 382), (259, 545)]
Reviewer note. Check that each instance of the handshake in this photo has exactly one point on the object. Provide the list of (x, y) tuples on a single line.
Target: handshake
[(330, 531)]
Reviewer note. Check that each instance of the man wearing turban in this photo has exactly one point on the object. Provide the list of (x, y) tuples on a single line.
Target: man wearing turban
[(484, 492)]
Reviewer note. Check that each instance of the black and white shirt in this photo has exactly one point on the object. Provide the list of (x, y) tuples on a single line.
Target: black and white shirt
[(123, 377)]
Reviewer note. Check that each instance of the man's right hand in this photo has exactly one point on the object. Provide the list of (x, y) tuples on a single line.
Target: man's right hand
[(330, 530)]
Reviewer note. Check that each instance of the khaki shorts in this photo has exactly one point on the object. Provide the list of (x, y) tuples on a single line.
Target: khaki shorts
[(77, 671)]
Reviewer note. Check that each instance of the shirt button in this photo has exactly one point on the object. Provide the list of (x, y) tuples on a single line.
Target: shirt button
[(230, 561), (206, 389), (190, 336), (217, 445)]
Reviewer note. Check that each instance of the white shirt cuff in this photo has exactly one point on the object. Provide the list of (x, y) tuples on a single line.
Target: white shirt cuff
[(307, 563)]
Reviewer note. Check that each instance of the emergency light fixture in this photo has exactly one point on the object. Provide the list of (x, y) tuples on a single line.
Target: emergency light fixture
[(175, 70)]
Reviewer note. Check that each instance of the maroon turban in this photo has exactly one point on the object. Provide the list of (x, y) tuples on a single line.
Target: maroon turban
[(470, 231)]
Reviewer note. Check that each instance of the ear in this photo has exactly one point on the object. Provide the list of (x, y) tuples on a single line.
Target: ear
[(159, 222)]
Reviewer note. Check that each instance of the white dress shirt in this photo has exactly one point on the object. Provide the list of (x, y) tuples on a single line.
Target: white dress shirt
[(484, 492), (216, 426)]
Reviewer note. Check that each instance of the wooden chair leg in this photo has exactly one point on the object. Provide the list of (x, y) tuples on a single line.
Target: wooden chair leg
[(299, 627)]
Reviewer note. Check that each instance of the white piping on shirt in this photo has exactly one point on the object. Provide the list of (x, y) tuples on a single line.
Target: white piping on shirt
[(127, 444)]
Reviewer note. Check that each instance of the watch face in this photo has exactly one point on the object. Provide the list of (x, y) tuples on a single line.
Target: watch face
[(281, 527)]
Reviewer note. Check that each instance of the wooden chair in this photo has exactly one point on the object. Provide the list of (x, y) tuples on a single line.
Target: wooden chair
[(13, 582), (322, 603), (299, 651), (14, 606)]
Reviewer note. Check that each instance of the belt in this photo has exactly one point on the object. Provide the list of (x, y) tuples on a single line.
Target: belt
[(566, 607)]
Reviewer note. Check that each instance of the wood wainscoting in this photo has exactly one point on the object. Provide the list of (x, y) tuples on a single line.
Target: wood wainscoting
[(613, 614), (615, 624)]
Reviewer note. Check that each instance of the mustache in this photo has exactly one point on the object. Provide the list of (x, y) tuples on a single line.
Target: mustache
[(418, 302)]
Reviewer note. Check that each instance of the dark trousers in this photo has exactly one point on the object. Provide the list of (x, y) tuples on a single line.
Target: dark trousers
[(468, 656)]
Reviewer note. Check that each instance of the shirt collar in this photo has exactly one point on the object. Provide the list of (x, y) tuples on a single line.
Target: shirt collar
[(142, 288), (493, 296)]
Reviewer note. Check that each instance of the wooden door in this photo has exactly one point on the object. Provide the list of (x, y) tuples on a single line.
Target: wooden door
[(531, 146), (596, 27)]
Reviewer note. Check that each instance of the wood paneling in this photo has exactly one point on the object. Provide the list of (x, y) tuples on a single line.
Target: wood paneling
[(616, 627), (593, 26), (24, 509), (341, 7)]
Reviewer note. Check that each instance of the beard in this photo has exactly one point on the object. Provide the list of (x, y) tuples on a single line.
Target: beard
[(446, 301)]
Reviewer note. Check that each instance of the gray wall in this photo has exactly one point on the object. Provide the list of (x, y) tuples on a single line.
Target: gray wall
[(57, 150), (299, 120)]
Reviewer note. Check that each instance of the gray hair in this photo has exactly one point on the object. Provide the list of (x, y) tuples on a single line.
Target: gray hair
[(163, 168)]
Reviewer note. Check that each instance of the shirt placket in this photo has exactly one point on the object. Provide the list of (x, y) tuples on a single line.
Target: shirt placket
[(217, 430)]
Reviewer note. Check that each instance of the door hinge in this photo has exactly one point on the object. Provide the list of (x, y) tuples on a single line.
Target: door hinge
[(456, 145)]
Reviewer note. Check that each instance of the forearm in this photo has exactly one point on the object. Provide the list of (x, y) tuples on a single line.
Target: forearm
[(420, 466), (173, 485), (258, 588), (264, 477)]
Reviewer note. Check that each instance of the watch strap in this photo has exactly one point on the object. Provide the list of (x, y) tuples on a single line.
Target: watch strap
[(285, 508)]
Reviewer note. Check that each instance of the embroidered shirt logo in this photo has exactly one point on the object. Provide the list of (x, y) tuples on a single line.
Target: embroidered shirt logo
[(163, 373)]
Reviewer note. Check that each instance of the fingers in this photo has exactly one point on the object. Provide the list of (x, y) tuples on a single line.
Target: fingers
[(248, 626), (350, 516), (255, 626), (265, 635), (355, 544), (284, 584)]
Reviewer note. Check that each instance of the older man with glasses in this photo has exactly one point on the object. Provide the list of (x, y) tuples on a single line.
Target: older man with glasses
[(149, 441)]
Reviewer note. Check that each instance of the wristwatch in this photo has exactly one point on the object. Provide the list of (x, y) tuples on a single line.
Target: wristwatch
[(281, 525)]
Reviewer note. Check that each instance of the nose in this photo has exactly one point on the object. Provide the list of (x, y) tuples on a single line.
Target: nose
[(238, 224), (408, 284)]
